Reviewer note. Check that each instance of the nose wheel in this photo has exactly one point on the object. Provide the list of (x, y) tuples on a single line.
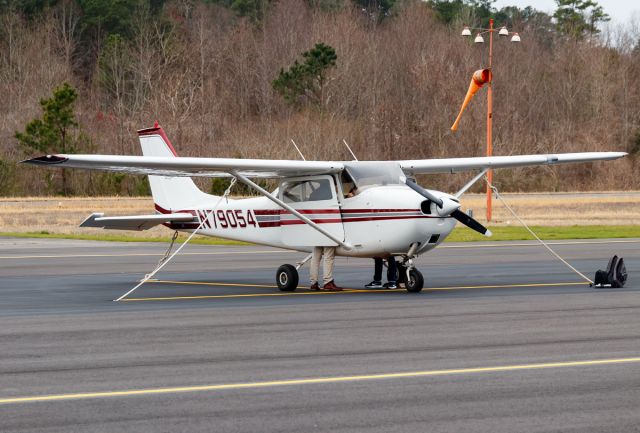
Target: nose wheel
[(287, 278), (414, 281), (408, 275)]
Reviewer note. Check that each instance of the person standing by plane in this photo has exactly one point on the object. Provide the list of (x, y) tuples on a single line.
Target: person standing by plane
[(392, 274), (329, 254)]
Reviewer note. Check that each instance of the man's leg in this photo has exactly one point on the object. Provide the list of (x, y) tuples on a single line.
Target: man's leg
[(314, 267), (392, 270), (392, 274), (377, 269), (377, 274), (329, 260)]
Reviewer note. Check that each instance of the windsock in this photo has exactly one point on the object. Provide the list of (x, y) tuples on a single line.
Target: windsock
[(479, 79)]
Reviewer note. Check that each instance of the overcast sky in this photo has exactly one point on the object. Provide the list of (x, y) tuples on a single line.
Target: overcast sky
[(619, 10)]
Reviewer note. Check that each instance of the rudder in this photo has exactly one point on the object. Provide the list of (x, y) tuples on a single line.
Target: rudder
[(169, 193)]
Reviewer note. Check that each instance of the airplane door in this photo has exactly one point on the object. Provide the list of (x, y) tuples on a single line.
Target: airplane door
[(314, 197)]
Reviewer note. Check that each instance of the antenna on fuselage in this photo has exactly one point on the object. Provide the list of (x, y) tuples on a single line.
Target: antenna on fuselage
[(298, 149), (350, 151)]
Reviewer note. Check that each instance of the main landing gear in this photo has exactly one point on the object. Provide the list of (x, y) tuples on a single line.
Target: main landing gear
[(287, 276)]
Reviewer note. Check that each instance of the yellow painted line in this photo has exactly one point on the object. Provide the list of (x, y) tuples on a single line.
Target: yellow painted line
[(506, 286), (317, 380), (207, 283), (213, 253), (249, 295), (536, 244), (256, 295)]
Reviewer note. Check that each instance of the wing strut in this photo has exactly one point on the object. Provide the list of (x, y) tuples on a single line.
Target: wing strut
[(283, 205), (470, 183)]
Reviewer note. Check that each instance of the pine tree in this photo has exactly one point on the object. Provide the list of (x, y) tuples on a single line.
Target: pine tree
[(579, 18), (307, 80), (57, 131)]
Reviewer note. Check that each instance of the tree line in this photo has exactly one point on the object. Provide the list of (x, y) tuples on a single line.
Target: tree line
[(241, 78)]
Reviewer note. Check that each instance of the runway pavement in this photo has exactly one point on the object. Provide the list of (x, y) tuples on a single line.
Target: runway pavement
[(505, 339)]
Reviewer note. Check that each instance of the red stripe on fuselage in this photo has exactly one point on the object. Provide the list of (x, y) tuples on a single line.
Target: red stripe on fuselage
[(311, 211), (347, 211), (272, 212)]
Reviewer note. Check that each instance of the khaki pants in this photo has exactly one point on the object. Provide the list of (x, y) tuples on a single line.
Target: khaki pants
[(329, 254)]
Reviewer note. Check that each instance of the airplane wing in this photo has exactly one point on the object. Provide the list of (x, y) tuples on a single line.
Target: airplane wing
[(271, 168), (192, 167), (452, 165), (137, 222)]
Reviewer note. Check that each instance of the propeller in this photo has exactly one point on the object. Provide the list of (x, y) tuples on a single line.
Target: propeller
[(449, 207), (470, 222)]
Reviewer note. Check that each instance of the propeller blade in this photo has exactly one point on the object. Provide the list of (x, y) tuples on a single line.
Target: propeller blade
[(444, 205), (424, 193), (470, 222)]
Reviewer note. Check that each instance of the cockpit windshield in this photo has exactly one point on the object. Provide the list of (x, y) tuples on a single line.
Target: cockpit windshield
[(366, 174)]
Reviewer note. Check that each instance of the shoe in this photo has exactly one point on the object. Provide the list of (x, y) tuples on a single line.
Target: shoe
[(315, 286), (374, 285), (331, 287), (390, 285)]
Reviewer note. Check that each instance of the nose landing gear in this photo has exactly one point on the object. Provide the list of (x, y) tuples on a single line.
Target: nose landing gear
[(408, 274), (414, 281)]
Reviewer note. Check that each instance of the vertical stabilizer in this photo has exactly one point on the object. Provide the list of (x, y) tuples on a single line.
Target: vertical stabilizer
[(169, 193)]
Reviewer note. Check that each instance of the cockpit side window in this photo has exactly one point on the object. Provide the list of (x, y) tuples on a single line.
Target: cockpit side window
[(293, 192), (306, 190), (349, 188), (319, 190)]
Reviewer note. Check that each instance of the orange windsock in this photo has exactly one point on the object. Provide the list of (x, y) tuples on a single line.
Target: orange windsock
[(479, 79)]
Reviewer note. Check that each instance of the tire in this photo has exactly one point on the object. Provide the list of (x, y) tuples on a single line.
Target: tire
[(415, 282), (287, 278)]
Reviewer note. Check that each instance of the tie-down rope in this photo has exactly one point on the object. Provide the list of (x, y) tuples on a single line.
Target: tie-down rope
[(166, 259), (495, 190)]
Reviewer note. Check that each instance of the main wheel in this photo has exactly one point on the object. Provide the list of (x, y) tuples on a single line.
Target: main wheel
[(415, 282), (287, 278)]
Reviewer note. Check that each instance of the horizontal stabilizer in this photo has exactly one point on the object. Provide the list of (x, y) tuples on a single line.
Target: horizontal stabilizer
[(135, 222)]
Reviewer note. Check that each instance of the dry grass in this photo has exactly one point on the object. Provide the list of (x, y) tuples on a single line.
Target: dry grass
[(63, 215), (561, 209)]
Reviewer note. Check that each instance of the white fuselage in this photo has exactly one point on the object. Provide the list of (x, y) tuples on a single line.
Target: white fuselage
[(378, 222)]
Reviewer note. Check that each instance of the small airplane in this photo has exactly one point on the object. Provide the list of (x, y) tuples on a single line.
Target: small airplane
[(364, 208)]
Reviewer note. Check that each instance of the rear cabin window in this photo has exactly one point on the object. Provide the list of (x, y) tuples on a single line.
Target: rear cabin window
[(306, 190)]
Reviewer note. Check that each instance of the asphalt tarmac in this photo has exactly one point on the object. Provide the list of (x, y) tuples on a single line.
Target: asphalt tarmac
[(504, 339)]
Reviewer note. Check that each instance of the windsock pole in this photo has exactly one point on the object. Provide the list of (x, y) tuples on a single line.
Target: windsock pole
[(477, 82), (490, 123)]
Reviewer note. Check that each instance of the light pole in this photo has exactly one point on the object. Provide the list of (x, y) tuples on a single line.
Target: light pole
[(515, 37)]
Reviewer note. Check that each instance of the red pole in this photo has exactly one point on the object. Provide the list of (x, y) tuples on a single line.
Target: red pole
[(490, 120)]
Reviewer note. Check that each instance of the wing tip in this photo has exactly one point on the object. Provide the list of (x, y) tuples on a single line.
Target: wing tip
[(45, 160)]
